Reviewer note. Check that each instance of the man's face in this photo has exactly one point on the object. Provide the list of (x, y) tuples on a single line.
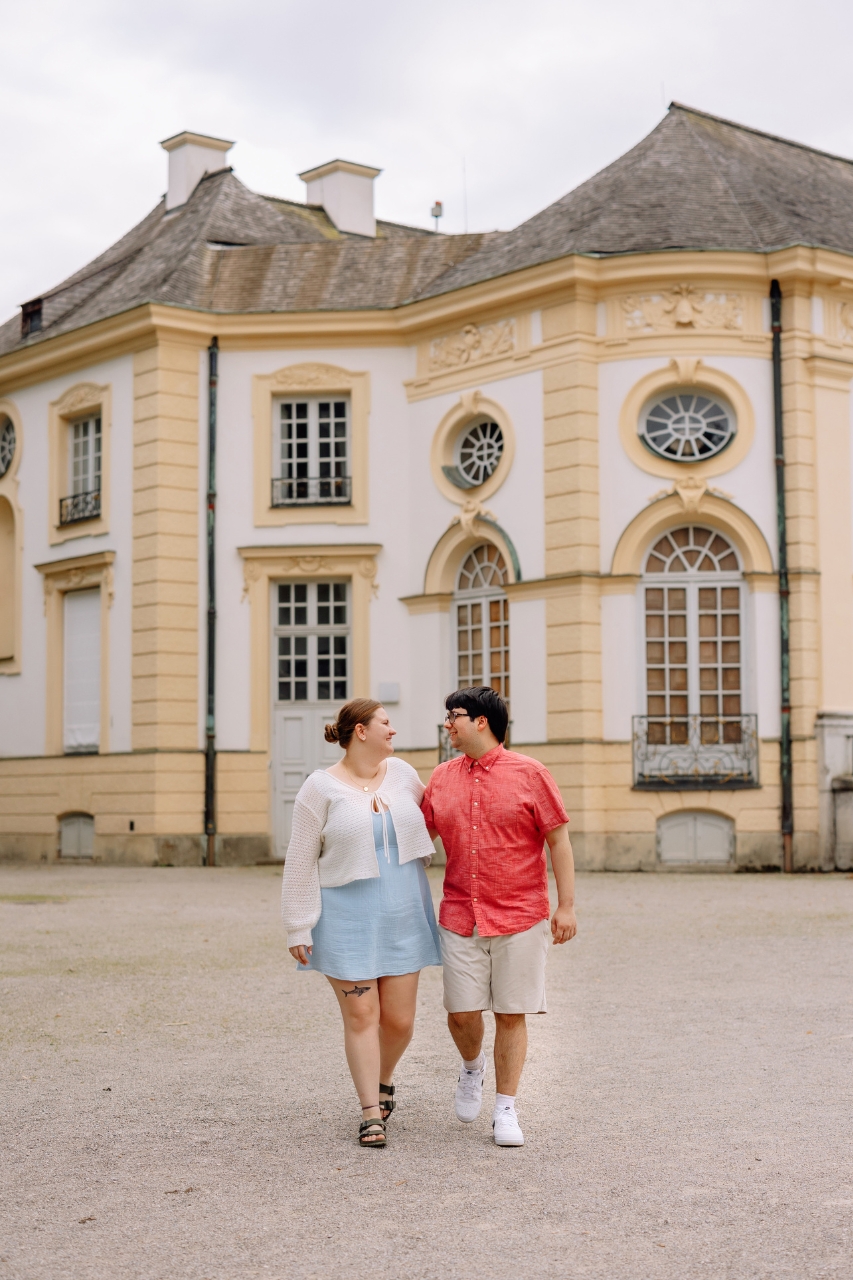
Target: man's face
[(464, 732)]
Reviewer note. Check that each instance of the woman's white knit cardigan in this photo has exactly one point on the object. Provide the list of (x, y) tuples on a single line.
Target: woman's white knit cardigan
[(331, 841)]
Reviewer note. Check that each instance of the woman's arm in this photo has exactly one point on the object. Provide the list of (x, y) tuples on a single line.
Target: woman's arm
[(300, 887)]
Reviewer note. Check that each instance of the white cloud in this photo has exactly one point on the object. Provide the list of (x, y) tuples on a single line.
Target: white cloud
[(535, 96)]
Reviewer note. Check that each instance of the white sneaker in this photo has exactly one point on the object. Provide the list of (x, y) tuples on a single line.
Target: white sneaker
[(469, 1092), (507, 1129)]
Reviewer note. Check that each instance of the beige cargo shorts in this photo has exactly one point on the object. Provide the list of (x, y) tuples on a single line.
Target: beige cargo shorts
[(505, 974)]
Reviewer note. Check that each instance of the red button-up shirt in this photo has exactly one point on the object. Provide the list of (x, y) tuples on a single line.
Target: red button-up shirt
[(493, 815)]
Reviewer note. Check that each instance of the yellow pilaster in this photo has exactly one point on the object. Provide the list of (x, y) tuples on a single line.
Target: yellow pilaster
[(166, 547)]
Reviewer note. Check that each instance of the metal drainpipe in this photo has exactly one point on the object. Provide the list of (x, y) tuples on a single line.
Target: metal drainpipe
[(210, 748), (785, 760)]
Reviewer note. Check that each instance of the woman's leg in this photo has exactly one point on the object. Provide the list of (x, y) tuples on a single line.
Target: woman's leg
[(359, 1003), (397, 1001)]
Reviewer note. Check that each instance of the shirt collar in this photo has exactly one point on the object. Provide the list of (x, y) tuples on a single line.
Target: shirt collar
[(486, 761)]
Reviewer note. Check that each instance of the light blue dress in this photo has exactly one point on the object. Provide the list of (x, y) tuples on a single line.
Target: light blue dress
[(377, 928)]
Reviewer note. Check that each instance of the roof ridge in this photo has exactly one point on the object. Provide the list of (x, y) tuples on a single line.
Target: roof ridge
[(759, 133), (717, 169)]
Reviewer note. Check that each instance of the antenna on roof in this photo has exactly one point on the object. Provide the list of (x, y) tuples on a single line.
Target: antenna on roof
[(436, 212)]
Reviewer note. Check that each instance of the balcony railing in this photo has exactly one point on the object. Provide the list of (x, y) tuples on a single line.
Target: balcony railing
[(695, 752), (80, 506), (318, 491)]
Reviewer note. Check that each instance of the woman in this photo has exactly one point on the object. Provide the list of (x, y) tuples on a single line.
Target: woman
[(356, 901)]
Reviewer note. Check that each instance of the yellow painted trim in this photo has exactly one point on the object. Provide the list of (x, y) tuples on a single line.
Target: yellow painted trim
[(762, 581), (438, 603), (58, 577), (669, 512), (11, 666), (79, 401), (450, 550), (310, 379), (264, 565), (624, 584), (682, 373), (547, 588), (472, 405)]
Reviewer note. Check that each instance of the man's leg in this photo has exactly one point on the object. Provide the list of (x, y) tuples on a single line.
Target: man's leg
[(467, 1030), (510, 1051)]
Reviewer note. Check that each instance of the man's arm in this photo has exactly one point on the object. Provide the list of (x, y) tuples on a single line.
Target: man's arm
[(564, 926)]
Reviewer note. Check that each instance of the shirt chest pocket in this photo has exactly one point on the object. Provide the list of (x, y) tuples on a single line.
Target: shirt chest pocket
[(504, 811)]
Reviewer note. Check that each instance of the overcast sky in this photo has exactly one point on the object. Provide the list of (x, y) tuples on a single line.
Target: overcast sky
[(530, 96)]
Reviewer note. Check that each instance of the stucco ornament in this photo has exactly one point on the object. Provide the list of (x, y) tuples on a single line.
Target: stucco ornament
[(691, 491), (472, 511), (682, 308), (471, 344), (846, 321), (85, 395)]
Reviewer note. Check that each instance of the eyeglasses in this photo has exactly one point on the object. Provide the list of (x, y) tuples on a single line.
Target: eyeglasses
[(453, 716)]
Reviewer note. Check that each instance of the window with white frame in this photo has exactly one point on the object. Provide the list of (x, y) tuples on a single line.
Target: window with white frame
[(82, 672), (84, 471), (693, 637), (482, 621), (313, 452), (312, 642)]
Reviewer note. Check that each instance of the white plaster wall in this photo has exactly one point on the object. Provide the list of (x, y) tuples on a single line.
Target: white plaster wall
[(428, 651), (621, 669), (626, 489), (407, 516), (527, 671), (22, 697)]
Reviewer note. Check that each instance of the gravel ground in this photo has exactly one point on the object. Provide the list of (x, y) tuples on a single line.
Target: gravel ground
[(176, 1105)]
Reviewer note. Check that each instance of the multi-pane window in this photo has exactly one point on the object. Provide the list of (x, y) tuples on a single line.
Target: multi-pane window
[(85, 455), (693, 637), (313, 452), (83, 502), (312, 642), (482, 621)]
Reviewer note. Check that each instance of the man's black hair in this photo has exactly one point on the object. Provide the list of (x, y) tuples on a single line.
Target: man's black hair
[(482, 701)]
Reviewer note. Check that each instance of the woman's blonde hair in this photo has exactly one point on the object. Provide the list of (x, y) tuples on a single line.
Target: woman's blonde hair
[(359, 711)]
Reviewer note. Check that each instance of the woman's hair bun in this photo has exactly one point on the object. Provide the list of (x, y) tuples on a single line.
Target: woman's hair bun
[(331, 732)]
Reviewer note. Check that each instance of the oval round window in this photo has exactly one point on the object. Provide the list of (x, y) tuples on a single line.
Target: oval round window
[(478, 451), (7, 444), (687, 426)]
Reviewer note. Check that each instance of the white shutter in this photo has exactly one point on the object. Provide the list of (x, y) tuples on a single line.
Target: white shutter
[(82, 670)]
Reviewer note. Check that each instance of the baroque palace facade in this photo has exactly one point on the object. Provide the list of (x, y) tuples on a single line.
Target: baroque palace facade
[(260, 457)]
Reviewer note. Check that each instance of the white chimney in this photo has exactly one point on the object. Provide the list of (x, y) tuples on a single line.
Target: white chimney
[(191, 156), (345, 190)]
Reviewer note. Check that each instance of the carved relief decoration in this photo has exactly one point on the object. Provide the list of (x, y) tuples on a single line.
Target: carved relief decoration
[(683, 309), (472, 511), (79, 577), (846, 321), (312, 566), (85, 395), (311, 377), (471, 344)]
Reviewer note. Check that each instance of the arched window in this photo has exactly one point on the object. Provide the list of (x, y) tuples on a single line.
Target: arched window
[(8, 593), (693, 638), (482, 620)]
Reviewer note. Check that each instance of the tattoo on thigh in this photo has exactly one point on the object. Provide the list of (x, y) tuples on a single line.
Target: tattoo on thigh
[(356, 991)]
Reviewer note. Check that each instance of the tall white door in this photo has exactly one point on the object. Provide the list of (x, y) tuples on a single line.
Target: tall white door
[(82, 671), (311, 680)]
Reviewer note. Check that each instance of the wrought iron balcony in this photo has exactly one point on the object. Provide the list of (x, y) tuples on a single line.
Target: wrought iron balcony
[(318, 491), (683, 753), (80, 506)]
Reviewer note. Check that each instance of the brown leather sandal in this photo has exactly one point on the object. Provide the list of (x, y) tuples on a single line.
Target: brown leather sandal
[(371, 1133), (387, 1105)]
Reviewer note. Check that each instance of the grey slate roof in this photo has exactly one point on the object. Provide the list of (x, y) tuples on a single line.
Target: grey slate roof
[(696, 182)]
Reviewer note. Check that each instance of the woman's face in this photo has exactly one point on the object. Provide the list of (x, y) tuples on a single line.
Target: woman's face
[(378, 735)]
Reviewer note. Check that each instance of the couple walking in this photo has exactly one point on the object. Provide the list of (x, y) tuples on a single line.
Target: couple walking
[(357, 907)]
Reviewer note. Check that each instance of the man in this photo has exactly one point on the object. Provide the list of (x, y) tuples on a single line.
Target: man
[(494, 810)]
